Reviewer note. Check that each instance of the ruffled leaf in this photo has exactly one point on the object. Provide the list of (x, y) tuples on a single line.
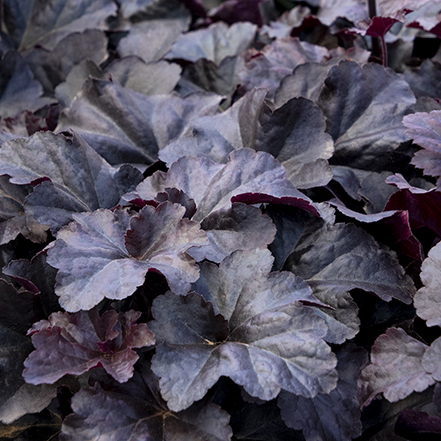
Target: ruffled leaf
[(112, 247), (75, 343)]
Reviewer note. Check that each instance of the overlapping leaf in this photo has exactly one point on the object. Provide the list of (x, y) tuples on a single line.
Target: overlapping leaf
[(295, 135), (277, 60), (13, 220), (334, 260), (17, 313), (133, 411), (76, 178), (427, 299), (48, 22), (52, 67), (331, 417), (364, 107), (248, 176), (105, 254), (125, 126), (218, 135), (249, 326), (19, 90), (75, 343), (396, 370), (213, 43), (425, 130)]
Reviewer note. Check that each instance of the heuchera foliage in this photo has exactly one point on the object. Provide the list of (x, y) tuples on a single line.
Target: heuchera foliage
[(220, 220)]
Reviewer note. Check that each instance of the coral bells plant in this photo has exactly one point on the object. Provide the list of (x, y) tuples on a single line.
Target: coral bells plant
[(220, 220)]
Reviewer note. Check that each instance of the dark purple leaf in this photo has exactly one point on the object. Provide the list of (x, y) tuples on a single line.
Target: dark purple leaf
[(119, 251), (234, 229), (119, 414), (415, 425), (126, 126), (364, 107), (79, 179), (195, 7), (17, 313), (13, 219), (51, 67), (425, 130), (423, 205), (292, 223), (354, 260), (75, 343), (375, 27), (283, 26), (19, 90), (52, 20), (139, 10), (424, 79), (214, 43), (295, 135), (332, 417), (268, 67), (427, 299), (396, 368), (231, 11), (150, 40), (249, 176), (352, 10), (218, 135), (258, 340), (38, 277)]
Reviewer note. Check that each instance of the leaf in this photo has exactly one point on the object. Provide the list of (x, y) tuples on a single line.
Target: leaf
[(73, 344), (336, 259), (295, 135), (234, 229), (50, 21), (232, 11), (249, 176), (249, 326), (422, 205), (119, 251), (214, 43), (364, 107), (125, 126), (397, 368), (19, 90), (345, 257), (17, 313), (426, 300), (425, 130), (119, 414), (283, 26), (277, 60), (13, 220), (37, 277), (412, 424), (216, 136), (424, 79), (332, 417), (151, 40), (79, 179), (51, 67), (352, 10)]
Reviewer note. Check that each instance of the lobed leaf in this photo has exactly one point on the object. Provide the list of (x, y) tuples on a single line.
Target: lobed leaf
[(73, 177), (397, 368), (73, 344), (112, 247), (258, 340)]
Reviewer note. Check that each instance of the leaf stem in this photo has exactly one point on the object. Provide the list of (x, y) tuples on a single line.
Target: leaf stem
[(384, 50)]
